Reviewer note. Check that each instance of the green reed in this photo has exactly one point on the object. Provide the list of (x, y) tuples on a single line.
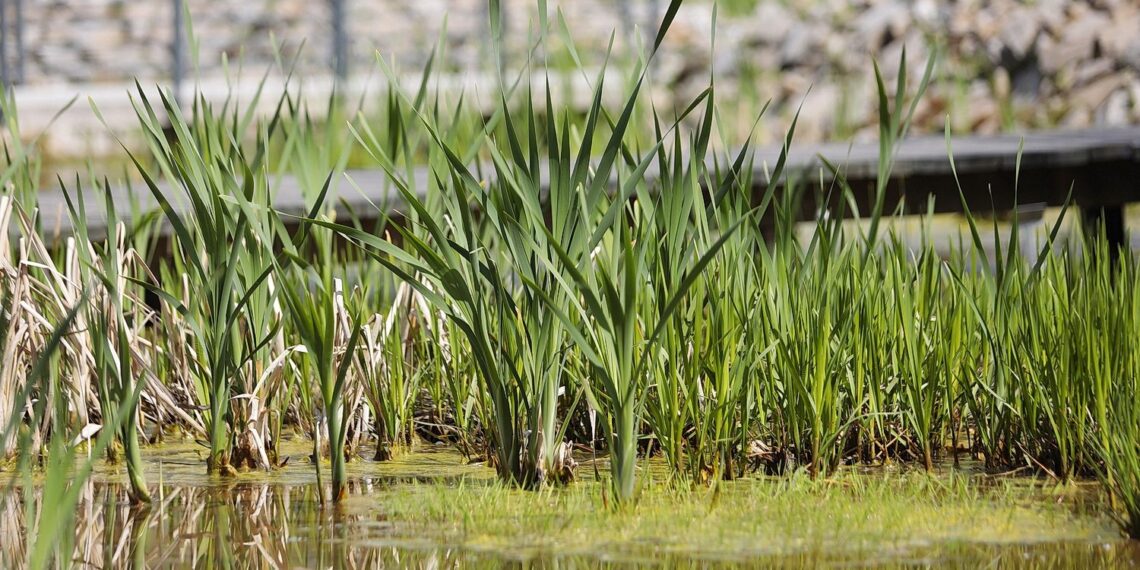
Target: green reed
[(538, 273)]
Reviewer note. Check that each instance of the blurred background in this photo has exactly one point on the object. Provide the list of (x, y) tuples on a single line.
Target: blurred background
[(1003, 64)]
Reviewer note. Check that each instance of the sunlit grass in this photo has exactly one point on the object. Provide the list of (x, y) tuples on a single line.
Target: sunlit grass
[(856, 515), (541, 282)]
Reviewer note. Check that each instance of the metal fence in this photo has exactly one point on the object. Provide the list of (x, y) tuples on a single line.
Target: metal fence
[(13, 9), (14, 51)]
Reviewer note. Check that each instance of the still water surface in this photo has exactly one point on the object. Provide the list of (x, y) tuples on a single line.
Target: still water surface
[(276, 520)]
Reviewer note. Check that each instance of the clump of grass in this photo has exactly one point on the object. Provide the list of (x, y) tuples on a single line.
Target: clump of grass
[(121, 379), (330, 335), (1121, 477), (51, 502), (847, 517), (549, 275), (1119, 439), (387, 369), (218, 258)]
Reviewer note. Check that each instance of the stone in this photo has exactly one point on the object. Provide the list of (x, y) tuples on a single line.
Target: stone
[(1120, 39), (844, 59), (891, 55), (1002, 84), (1052, 15), (1095, 93), (1092, 70), (770, 25), (801, 47), (985, 24), (1134, 99), (927, 13), (1057, 54), (983, 112), (794, 86), (1115, 110), (1085, 29), (818, 113), (1077, 118), (881, 23), (1026, 81), (1019, 31), (1048, 58)]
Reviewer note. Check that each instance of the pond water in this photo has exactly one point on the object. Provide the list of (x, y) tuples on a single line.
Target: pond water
[(430, 509)]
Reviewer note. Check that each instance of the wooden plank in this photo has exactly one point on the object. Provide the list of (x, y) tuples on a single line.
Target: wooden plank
[(1101, 165)]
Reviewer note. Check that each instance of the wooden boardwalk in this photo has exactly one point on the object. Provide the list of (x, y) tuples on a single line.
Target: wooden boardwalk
[(1102, 166)]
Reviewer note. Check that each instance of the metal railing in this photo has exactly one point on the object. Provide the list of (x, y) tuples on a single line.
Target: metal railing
[(11, 74), (14, 56)]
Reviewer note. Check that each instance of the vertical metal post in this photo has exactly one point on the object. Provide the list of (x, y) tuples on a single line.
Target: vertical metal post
[(488, 48), (654, 19), (495, 55), (3, 53), (177, 48), (20, 55), (340, 41), (504, 58), (625, 14), (1106, 222)]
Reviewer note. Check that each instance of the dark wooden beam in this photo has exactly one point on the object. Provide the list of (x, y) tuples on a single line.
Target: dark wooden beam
[(1100, 166)]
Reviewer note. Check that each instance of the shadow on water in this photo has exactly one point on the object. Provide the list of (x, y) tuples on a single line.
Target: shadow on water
[(278, 521)]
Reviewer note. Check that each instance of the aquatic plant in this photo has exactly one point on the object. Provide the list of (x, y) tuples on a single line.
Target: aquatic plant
[(330, 334), (120, 378), (539, 276), (391, 381)]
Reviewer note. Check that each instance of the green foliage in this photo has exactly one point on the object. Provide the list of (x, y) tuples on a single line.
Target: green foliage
[(545, 274)]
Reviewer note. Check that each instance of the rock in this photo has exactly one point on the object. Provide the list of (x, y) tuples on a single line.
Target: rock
[(916, 56), (927, 13), (1077, 118), (1115, 111), (1107, 4), (881, 23), (1134, 98), (1077, 60), (1019, 31), (1026, 81), (1002, 84), (1092, 70), (1120, 39), (1094, 94), (818, 114), (769, 25), (1055, 55), (984, 112), (802, 47), (842, 57), (794, 86), (985, 24), (1077, 41)]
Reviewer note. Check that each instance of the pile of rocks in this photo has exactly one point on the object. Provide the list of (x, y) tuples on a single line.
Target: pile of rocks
[(1001, 64), (82, 41)]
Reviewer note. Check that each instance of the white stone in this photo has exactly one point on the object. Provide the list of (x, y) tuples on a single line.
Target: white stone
[(1115, 111), (770, 24), (890, 17), (1019, 31)]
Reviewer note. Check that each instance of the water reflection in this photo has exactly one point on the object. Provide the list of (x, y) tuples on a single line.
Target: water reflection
[(276, 525)]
